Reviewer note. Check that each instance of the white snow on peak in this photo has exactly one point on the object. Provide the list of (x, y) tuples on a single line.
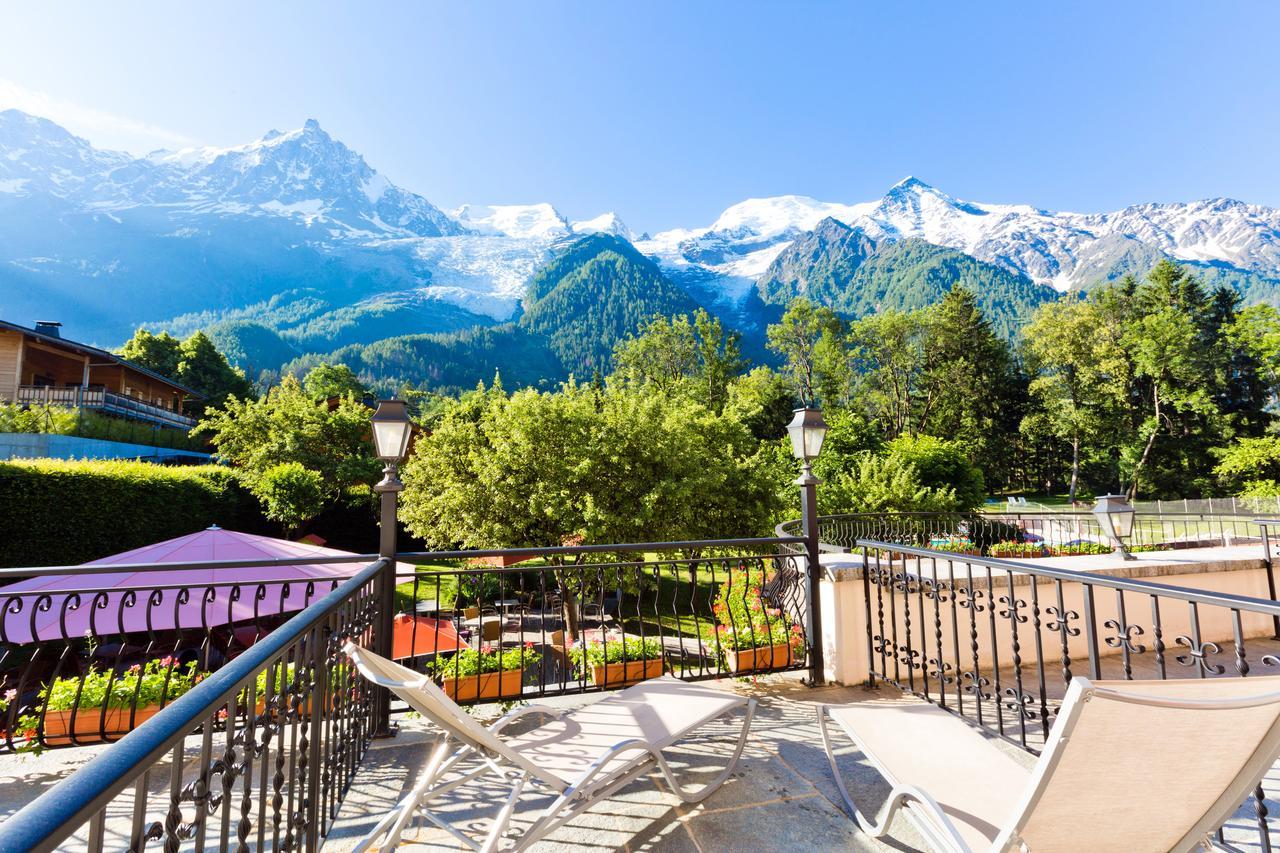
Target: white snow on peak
[(770, 217), (528, 221), (605, 223)]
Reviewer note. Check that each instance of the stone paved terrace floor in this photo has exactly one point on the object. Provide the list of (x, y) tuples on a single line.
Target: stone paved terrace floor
[(780, 798)]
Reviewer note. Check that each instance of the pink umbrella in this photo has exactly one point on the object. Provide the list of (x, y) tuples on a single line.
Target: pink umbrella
[(66, 606)]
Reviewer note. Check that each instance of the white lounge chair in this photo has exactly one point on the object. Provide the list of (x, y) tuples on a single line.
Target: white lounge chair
[(581, 756), (1129, 766)]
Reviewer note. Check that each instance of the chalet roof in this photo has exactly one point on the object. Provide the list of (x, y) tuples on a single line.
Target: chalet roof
[(54, 340)]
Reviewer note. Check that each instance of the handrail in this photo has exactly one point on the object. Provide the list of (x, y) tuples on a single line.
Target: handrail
[(47, 821), (558, 550), (114, 568), (1224, 599)]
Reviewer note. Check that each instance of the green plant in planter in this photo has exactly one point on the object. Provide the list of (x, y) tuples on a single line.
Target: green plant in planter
[(486, 659), (158, 681), (624, 649), (745, 620), (1081, 548), (1018, 549), (141, 685), (955, 545)]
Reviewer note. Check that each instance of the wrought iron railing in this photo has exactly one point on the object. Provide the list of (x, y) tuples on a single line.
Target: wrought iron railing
[(998, 641), (1042, 533), (259, 753)]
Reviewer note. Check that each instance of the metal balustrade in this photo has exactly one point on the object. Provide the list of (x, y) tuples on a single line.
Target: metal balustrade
[(260, 752), (997, 641)]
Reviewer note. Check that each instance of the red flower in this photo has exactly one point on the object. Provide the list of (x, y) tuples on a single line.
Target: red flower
[(486, 648), (529, 645)]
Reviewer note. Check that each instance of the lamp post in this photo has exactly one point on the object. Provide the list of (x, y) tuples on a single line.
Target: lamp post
[(1115, 516), (391, 431), (807, 430)]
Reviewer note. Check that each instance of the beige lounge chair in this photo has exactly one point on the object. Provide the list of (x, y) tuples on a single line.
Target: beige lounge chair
[(1129, 766), (581, 755)]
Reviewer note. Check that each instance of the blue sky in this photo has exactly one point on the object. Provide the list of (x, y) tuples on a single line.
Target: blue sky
[(669, 112)]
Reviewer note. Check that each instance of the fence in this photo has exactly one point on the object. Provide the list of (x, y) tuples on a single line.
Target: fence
[(1037, 533), (997, 642), (259, 751)]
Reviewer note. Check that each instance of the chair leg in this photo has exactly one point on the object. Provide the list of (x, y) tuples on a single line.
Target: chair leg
[(710, 788), (943, 836)]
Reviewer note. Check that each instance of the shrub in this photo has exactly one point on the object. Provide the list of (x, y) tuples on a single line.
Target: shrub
[(139, 686), (60, 512), (290, 493), (621, 650), (487, 659), (941, 464)]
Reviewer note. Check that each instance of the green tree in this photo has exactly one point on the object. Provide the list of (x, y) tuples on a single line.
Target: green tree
[(764, 401), (697, 356), (160, 353), (1250, 466), (202, 368), (535, 468), (1073, 364), (325, 381), (287, 426), (799, 338)]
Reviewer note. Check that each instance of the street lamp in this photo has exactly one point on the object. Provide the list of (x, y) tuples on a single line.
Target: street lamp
[(1115, 516), (391, 431), (807, 430)]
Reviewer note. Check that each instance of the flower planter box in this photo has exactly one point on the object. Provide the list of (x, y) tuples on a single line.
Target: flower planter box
[(91, 726), (260, 707), (626, 672), (487, 685), (759, 659)]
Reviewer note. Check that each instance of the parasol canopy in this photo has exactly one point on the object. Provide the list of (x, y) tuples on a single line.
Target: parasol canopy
[(61, 606)]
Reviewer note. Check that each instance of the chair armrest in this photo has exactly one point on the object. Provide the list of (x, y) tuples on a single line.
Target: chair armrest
[(523, 711)]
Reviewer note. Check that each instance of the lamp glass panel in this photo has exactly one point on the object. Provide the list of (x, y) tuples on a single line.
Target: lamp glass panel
[(391, 438), (813, 437), (1122, 522)]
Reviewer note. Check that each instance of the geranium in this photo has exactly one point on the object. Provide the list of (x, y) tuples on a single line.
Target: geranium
[(746, 620)]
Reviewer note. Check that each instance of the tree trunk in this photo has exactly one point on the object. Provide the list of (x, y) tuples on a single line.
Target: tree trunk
[(1075, 468), (570, 610), (1151, 439)]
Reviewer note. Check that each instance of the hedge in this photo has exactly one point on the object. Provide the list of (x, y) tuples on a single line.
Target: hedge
[(60, 512)]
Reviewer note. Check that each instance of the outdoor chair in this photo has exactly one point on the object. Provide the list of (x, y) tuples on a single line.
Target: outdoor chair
[(580, 756), (1128, 766)]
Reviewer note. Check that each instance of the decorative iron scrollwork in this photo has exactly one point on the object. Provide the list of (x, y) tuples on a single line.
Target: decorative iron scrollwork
[(1198, 656)]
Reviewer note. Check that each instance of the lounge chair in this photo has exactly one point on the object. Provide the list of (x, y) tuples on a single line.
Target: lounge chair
[(581, 756), (1129, 765)]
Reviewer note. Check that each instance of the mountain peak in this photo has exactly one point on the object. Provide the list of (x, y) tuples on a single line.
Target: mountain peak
[(910, 184), (312, 125)]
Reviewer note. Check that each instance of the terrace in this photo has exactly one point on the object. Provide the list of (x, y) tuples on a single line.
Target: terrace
[(279, 743)]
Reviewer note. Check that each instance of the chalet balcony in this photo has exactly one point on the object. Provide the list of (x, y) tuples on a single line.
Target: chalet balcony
[(101, 400)]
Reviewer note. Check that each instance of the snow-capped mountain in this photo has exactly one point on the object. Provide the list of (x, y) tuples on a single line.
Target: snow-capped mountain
[(1061, 249), (300, 223)]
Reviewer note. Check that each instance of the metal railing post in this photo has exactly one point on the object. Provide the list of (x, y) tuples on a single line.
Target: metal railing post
[(1271, 575), (389, 490), (809, 512)]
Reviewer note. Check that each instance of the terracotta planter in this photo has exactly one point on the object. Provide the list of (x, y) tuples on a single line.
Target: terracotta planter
[(261, 706), (91, 726), (759, 659), (487, 685), (626, 672)]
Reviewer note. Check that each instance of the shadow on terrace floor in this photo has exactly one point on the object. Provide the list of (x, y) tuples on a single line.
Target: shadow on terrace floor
[(781, 796)]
